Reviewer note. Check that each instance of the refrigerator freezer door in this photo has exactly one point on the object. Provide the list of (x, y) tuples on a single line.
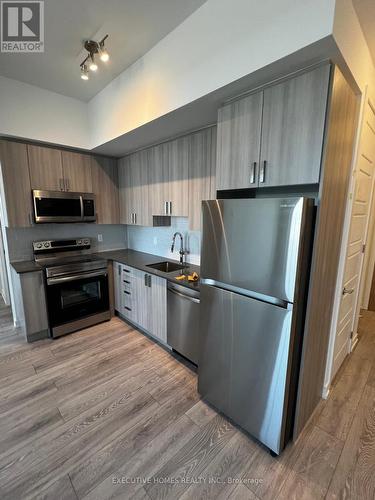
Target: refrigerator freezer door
[(244, 363), (254, 244)]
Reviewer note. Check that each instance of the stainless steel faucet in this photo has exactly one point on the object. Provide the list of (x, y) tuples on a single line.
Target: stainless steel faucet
[(182, 252)]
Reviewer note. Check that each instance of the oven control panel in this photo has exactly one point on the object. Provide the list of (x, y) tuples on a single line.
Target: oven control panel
[(58, 245)]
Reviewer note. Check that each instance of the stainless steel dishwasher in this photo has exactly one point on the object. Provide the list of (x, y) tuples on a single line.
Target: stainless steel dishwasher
[(183, 321)]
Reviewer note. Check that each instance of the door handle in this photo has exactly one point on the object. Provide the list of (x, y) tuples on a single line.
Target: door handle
[(347, 291), (252, 172), (262, 171)]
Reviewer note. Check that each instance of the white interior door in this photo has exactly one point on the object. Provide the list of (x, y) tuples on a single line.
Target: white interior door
[(364, 176)]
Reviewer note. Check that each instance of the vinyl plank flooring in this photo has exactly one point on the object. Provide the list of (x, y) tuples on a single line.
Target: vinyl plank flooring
[(139, 452), (312, 473), (191, 460), (354, 476), (131, 410), (339, 411), (201, 413)]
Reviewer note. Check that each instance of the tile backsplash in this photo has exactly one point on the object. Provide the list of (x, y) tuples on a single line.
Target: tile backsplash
[(158, 240), (154, 240), (20, 239)]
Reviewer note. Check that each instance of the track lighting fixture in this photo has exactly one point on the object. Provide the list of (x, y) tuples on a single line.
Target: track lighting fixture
[(89, 63)]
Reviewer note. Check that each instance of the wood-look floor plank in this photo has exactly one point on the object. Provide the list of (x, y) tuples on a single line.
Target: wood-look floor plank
[(312, 473), (135, 468), (191, 460), (201, 413), (340, 408), (354, 476)]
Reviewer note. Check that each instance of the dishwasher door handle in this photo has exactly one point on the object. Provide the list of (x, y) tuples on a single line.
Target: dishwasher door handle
[(187, 297)]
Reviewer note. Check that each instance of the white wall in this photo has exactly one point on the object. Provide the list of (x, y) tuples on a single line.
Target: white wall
[(30, 112), (222, 41)]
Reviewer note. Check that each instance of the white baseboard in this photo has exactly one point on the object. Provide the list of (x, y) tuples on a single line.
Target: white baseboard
[(326, 391)]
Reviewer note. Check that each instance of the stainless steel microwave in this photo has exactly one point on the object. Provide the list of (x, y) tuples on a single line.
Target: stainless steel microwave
[(57, 206)]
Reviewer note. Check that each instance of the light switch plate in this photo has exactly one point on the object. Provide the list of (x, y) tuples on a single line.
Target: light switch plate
[(100, 237)]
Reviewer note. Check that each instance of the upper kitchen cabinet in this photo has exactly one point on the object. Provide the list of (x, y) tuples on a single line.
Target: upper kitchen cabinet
[(202, 166), (159, 193), (238, 143), (45, 166), (133, 183), (168, 177), (16, 187), (178, 172), (105, 187), (77, 172), (294, 115)]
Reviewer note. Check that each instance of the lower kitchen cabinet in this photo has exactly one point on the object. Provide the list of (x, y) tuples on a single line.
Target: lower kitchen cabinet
[(141, 298)]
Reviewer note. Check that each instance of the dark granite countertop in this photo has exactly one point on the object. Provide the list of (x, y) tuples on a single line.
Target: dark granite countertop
[(139, 260), (132, 258), (25, 266)]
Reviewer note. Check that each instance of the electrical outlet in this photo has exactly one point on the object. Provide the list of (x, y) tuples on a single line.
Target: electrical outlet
[(100, 237)]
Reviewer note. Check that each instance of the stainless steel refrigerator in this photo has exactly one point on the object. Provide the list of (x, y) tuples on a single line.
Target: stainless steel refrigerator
[(254, 276)]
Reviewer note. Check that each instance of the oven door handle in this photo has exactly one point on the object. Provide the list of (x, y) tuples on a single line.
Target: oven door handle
[(65, 279)]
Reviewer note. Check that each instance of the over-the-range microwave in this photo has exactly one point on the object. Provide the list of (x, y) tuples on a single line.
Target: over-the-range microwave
[(58, 206)]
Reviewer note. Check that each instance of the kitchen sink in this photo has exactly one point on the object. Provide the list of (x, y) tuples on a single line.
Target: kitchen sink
[(166, 267)]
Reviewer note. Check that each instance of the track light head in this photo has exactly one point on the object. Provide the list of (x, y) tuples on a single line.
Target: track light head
[(92, 64), (84, 72), (103, 54)]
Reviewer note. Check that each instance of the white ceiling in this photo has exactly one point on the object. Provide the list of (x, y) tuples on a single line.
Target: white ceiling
[(134, 27), (366, 14)]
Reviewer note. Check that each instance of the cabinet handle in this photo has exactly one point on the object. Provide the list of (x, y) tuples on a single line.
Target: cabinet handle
[(252, 172), (170, 208), (262, 172), (135, 218), (127, 308), (31, 220), (149, 280), (126, 270), (119, 270), (166, 208), (146, 280), (127, 282), (127, 293)]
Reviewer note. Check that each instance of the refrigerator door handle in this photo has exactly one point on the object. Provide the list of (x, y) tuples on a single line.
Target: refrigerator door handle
[(248, 293)]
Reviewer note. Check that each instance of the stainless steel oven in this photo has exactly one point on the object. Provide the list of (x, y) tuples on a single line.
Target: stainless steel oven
[(76, 299), (57, 206), (76, 284)]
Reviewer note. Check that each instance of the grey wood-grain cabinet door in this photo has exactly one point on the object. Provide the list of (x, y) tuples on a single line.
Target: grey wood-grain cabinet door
[(105, 188), (45, 167), (77, 172), (16, 184), (159, 193), (238, 142), (294, 114), (158, 312), (202, 168), (178, 181), (134, 189)]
